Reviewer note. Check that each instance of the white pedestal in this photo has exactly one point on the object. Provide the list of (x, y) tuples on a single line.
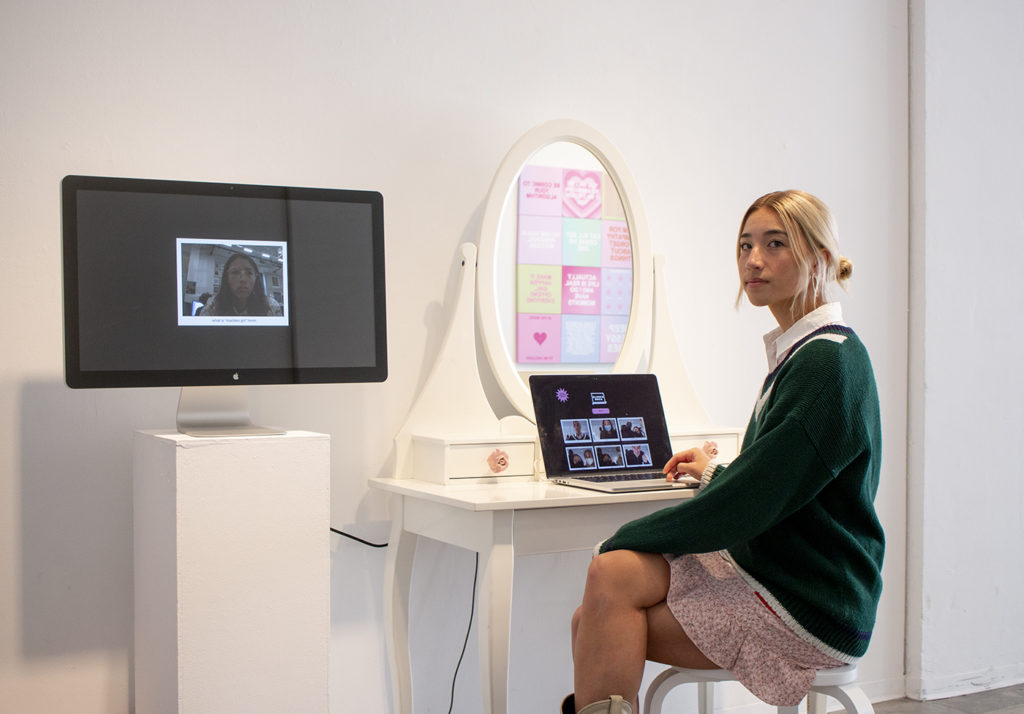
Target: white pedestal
[(232, 573)]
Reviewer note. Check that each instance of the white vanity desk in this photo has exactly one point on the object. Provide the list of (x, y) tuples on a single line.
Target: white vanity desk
[(445, 485), (498, 521)]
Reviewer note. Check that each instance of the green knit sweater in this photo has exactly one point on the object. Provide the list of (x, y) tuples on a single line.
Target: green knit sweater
[(795, 509)]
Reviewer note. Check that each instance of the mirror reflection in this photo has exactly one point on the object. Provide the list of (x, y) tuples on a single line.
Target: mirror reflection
[(564, 293)]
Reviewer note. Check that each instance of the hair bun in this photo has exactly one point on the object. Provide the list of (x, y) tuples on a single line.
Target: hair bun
[(845, 269)]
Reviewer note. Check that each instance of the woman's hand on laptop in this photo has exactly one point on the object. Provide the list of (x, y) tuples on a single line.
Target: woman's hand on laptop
[(687, 465)]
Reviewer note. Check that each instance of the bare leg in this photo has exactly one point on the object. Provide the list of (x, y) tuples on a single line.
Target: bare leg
[(669, 644), (623, 613)]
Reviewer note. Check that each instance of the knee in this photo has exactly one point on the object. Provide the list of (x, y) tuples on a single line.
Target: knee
[(610, 571)]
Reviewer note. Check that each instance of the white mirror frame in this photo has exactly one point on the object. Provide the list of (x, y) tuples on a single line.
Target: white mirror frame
[(637, 337)]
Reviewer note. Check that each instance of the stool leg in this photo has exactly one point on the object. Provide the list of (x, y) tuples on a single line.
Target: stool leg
[(817, 703), (706, 697), (789, 710), (659, 689), (852, 697)]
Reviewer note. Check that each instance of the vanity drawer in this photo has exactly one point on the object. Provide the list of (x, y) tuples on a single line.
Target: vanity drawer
[(451, 459)]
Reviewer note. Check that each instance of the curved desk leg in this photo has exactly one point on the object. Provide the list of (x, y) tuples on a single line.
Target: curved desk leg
[(397, 579), (495, 615)]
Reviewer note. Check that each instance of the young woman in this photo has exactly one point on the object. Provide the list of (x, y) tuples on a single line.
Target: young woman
[(241, 291), (773, 570)]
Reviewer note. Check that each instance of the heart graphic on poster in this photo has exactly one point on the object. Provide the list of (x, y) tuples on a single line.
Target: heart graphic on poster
[(582, 194), (540, 337)]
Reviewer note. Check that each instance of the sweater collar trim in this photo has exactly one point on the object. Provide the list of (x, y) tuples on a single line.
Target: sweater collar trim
[(778, 344)]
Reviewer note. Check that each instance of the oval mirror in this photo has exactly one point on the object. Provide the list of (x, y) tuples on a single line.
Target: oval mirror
[(564, 274)]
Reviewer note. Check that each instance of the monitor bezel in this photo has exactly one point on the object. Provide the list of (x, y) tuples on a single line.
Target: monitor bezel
[(77, 378)]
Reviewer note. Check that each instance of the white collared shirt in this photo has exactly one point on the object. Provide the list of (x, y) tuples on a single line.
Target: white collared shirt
[(778, 343)]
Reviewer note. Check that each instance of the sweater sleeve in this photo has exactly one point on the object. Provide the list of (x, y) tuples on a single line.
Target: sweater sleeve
[(795, 454), (761, 487)]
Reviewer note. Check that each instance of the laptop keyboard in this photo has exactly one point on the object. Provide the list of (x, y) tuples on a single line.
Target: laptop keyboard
[(605, 478)]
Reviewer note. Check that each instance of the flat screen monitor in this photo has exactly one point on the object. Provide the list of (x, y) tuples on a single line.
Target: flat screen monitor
[(195, 284)]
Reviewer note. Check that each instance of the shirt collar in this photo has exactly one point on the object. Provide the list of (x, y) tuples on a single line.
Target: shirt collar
[(778, 343)]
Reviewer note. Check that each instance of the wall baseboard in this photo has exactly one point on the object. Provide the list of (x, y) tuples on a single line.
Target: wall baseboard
[(928, 687)]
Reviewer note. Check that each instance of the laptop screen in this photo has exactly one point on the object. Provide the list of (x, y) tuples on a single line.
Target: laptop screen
[(600, 422)]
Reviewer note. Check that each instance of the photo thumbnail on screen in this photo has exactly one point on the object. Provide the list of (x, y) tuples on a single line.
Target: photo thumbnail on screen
[(232, 282)]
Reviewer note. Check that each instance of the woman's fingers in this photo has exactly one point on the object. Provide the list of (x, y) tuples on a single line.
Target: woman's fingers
[(690, 462)]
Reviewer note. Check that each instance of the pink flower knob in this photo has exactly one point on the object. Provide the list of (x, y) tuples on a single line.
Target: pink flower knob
[(498, 461)]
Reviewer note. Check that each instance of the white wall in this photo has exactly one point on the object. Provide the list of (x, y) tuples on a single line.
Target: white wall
[(712, 104), (966, 580)]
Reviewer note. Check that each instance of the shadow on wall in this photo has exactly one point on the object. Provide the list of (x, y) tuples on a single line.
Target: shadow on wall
[(76, 513)]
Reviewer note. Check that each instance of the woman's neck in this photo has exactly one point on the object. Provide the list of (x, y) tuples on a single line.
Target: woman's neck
[(788, 316)]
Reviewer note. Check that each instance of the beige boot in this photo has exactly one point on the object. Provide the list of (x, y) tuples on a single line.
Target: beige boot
[(615, 705)]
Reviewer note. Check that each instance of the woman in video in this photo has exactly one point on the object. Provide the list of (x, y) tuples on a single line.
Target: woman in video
[(241, 291), (773, 569)]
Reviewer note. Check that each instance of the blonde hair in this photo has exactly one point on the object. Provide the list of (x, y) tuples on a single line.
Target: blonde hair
[(813, 239)]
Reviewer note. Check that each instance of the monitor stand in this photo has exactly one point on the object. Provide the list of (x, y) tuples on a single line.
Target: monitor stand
[(218, 411)]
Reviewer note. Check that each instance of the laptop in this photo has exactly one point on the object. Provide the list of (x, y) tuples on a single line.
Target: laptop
[(604, 432)]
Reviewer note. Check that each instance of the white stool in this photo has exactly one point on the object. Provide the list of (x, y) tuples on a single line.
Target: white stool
[(838, 683)]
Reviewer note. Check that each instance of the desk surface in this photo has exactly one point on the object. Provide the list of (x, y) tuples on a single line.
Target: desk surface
[(518, 495)]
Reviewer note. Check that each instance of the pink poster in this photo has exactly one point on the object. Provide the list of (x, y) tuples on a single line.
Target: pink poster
[(574, 267), (581, 290), (540, 191), (581, 193), (540, 240), (539, 338), (618, 251), (616, 291)]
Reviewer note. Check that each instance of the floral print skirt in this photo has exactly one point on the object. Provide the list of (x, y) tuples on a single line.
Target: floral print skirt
[(735, 629)]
